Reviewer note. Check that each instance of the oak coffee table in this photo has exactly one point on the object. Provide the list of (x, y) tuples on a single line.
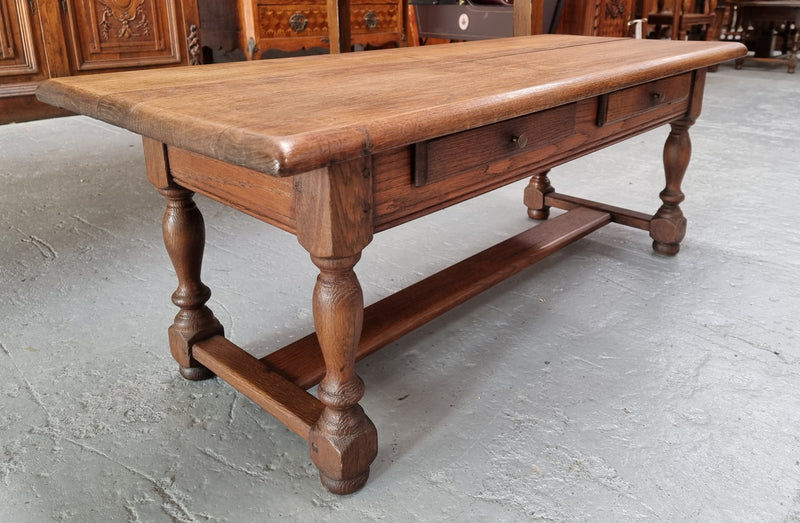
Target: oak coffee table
[(336, 148)]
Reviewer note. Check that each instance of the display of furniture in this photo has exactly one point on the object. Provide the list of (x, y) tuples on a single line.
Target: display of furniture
[(481, 19), (461, 20), (337, 148), (770, 29), (42, 39), (304, 26), (680, 17)]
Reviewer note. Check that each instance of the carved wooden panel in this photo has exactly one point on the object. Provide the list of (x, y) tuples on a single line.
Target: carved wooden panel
[(123, 33), (612, 17), (596, 17), (42, 39), (18, 53)]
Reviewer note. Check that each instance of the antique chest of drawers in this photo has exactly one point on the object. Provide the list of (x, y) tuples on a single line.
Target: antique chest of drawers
[(296, 25)]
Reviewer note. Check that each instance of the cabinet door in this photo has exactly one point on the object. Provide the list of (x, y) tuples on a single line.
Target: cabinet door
[(110, 34), (21, 56), (613, 17), (596, 17)]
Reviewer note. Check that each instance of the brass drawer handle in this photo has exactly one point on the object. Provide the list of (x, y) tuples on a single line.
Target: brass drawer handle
[(298, 22), (520, 141), (371, 20)]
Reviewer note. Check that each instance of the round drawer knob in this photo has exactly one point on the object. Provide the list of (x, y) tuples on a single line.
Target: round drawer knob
[(520, 140), (371, 20), (298, 22)]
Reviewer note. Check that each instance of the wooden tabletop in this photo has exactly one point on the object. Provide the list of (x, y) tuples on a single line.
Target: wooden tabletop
[(283, 117)]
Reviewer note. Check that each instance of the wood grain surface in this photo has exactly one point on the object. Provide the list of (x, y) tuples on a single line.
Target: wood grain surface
[(284, 117)]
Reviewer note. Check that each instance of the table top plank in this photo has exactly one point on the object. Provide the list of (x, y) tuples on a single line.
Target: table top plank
[(283, 117)]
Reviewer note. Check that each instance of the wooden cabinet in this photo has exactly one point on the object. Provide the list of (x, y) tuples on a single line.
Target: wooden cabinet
[(596, 17), (42, 39), (22, 58), (294, 25), (104, 34)]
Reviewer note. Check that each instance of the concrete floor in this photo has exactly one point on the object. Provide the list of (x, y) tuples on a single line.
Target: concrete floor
[(604, 384)]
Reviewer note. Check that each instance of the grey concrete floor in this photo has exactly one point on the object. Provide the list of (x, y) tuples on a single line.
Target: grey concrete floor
[(604, 384)]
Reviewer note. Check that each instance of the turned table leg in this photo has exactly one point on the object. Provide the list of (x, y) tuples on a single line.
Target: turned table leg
[(334, 224), (668, 226), (343, 441), (535, 193), (793, 52), (184, 238)]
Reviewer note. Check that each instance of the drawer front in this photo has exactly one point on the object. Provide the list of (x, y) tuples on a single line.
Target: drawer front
[(292, 21), (450, 155), (399, 199), (642, 98), (303, 20), (375, 18)]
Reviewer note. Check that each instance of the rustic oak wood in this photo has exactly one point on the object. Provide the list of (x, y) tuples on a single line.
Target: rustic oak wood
[(402, 312), (334, 224), (637, 220), (343, 146), (535, 195), (290, 404), (184, 237), (305, 130)]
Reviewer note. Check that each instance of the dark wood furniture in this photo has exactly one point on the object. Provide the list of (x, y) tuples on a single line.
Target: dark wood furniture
[(679, 17), (770, 29), (465, 20), (340, 147), (46, 39), (219, 21), (597, 17)]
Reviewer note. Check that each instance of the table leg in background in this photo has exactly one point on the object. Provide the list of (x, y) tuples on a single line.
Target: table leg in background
[(668, 226), (536, 191)]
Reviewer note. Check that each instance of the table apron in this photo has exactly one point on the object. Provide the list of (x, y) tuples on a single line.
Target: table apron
[(400, 197), (555, 136)]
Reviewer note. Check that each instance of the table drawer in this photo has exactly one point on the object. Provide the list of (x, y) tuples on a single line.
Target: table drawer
[(642, 98), (292, 20), (450, 155)]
